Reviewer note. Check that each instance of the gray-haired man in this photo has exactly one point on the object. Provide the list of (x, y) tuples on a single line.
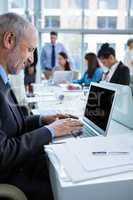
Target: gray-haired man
[(21, 139)]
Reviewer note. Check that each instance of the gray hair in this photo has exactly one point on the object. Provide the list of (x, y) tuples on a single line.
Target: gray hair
[(12, 22)]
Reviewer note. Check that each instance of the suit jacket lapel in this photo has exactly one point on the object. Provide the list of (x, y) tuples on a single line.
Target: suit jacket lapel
[(13, 106), (12, 103)]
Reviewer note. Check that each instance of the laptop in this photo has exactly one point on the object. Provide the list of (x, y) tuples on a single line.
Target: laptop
[(98, 110), (61, 76)]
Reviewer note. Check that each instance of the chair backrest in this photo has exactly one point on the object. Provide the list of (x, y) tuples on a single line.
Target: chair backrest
[(11, 192)]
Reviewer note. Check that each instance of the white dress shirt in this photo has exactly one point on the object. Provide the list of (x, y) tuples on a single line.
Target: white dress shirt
[(46, 53), (111, 72)]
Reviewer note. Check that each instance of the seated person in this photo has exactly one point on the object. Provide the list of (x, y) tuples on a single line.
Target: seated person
[(117, 71), (22, 156), (93, 73), (63, 62), (30, 73)]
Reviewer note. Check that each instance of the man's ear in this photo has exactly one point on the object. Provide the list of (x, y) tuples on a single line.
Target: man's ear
[(9, 40)]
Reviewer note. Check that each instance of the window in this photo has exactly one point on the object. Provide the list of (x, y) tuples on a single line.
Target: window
[(131, 2), (68, 14), (107, 22), (131, 22), (113, 45), (116, 41), (79, 4), (17, 4), (52, 4), (52, 21), (107, 4)]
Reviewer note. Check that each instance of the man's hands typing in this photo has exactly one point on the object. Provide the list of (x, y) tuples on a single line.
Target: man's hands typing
[(64, 127), (51, 118)]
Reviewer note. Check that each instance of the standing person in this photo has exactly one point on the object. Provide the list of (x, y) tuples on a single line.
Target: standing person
[(63, 62), (22, 159), (49, 54), (128, 61), (93, 73), (117, 71)]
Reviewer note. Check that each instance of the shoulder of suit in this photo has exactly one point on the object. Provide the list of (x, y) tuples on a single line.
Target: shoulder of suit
[(122, 66)]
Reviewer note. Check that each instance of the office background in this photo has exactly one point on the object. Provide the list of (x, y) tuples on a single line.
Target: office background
[(83, 25)]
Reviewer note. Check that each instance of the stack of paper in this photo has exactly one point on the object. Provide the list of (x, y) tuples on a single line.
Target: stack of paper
[(80, 162)]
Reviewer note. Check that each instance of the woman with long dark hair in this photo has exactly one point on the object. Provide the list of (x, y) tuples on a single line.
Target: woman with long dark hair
[(63, 62), (93, 73)]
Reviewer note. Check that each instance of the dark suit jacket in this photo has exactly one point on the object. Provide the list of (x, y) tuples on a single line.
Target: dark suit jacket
[(121, 75), (20, 138)]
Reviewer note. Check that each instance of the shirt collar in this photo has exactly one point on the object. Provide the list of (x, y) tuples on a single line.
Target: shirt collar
[(3, 75), (53, 44), (111, 71), (113, 68)]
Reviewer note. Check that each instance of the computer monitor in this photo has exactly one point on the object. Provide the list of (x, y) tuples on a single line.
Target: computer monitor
[(61, 76), (123, 108), (99, 107)]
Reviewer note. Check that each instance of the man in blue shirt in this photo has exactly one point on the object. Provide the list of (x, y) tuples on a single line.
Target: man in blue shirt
[(49, 54)]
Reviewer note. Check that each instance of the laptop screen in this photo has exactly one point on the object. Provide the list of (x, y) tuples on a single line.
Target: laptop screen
[(99, 105), (60, 76)]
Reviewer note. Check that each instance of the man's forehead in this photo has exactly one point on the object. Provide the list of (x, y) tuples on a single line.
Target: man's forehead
[(31, 36)]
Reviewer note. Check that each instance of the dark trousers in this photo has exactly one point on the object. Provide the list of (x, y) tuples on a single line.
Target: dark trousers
[(33, 180)]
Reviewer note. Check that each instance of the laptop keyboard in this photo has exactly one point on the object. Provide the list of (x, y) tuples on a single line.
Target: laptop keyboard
[(87, 132), (84, 132)]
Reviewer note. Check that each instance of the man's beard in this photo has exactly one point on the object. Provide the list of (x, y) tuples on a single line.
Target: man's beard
[(14, 60)]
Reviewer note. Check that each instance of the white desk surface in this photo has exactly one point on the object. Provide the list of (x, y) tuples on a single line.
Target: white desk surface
[(115, 128), (114, 187), (96, 189)]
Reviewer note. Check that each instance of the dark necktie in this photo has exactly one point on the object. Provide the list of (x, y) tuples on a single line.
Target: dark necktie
[(8, 85), (105, 75), (53, 57)]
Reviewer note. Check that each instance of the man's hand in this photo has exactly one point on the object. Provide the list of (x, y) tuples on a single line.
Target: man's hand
[(64, 127), (51, 118)]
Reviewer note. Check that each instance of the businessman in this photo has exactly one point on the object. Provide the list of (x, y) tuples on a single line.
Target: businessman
[(49, 54), (22, 159)]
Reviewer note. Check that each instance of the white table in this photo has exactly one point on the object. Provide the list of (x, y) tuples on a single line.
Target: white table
[(116, 187), (47, 101)]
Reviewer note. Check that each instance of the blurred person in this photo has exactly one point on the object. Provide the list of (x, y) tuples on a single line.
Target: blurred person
[(49, 54), (63, 62), (30, 73), (93, 73), (128, 61), (117, 71), (22, 156)]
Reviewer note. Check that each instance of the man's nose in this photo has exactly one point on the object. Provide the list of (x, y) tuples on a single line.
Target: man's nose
[(31, 59)]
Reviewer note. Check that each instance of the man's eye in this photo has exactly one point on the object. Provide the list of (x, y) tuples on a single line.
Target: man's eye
[(31, 49)]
